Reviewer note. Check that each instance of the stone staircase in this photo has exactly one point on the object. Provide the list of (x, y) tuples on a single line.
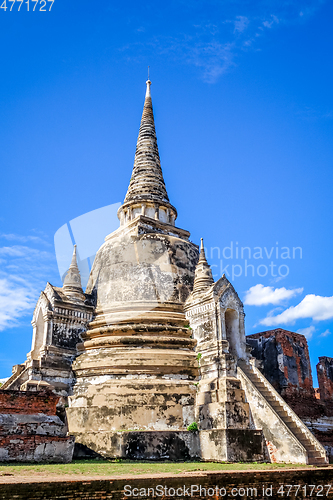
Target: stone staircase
[(20, 375), (315, 452)]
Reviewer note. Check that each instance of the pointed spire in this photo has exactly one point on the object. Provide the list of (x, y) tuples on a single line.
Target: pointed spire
[(202, 256), (72, 282), (147, 181), (203, 277)]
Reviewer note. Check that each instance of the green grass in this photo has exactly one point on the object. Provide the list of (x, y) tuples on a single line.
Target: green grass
[(127, 467)]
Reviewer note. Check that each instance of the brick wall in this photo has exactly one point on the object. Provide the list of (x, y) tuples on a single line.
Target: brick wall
[(30, 430), (325, 378), (285, 361), (251, 485), (28, 402)]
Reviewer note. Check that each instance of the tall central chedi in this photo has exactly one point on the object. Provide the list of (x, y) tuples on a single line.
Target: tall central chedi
[(137, 363), (155, 345)]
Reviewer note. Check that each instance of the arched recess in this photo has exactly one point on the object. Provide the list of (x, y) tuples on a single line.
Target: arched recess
[(233, 332)]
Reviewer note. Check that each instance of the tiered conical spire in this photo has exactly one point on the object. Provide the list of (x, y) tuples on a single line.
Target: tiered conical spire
[(203, 277), (147, 179), (147, 194), (72, 282)]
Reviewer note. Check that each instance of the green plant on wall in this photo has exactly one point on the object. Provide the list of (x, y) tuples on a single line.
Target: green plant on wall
[(193, 427)]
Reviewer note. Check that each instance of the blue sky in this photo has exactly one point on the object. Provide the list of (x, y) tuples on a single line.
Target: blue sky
[(242, 95)]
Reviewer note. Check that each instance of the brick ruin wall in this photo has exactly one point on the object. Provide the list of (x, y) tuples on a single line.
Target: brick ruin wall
[(285, 361), (31, 430), (325, 378), (254, 485)]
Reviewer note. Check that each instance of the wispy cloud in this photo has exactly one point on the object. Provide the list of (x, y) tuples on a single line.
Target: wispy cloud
[(241, 23), (23, 273), (326, 333), (269, 23), (214, 42), (312, 306), (25, 252), (202, 49), (307, 332), (16, 298), (260, 295), (24, 239)]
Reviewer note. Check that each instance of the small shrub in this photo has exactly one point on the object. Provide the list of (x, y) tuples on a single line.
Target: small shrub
[(193, 427)]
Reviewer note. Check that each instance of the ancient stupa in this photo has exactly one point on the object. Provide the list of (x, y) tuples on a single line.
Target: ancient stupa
[(152, 357)]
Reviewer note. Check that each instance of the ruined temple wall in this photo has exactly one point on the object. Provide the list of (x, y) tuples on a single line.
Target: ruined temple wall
[(285, 361), (30, 430), (325, 378)]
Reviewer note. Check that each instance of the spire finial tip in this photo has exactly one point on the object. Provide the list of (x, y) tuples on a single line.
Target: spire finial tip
[(148, 83)]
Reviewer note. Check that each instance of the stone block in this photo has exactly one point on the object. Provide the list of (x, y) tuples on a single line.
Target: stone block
[(231, 445)]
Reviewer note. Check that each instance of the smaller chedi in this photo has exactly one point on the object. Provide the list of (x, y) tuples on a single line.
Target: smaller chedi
[(152, 357)]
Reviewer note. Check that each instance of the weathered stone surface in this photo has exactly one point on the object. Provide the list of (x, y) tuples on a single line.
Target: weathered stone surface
[(30, 430), (285, 361), (325, 378), (148, 445), (231, 445)]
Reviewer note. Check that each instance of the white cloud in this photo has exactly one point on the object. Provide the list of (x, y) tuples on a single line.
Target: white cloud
[(312, 306), (241, 23), (23, 251), (23, 273), (213, 41), (260, 295), (307, 332), (24, 239), (269, 24), (326, 333), (16, 299)]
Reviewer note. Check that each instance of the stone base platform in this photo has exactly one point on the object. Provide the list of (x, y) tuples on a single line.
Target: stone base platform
[(139, 445), (219, 445)]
